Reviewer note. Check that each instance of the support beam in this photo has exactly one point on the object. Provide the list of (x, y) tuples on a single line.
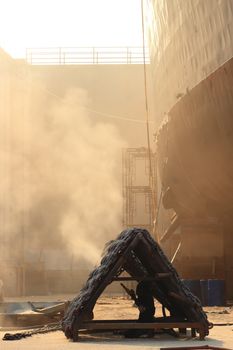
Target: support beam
[(158, 276)]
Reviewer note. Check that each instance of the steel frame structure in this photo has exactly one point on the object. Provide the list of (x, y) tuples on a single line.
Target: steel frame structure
[(133, 190)]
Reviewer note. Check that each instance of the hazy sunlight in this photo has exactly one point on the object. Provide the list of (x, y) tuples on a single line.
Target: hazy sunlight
[(52, 23)]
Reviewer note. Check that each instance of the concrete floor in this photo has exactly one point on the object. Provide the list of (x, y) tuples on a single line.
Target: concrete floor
[(220, 336)]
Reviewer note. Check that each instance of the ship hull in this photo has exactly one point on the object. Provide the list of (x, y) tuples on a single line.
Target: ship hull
[(195, 149), (192, 72), (195, 161)]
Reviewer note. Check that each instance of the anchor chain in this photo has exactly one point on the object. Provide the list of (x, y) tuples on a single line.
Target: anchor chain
[(42, 330)]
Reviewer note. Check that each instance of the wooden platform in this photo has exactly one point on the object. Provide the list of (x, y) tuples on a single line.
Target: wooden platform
[(107, 325)]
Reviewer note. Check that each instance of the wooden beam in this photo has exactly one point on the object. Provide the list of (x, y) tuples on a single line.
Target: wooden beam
[(125, 278), (158, 276), (181, 298), (112, 324), (106, 325), (161, 275)]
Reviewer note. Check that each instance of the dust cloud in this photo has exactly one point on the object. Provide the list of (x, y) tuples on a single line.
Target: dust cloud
[(60, 177)]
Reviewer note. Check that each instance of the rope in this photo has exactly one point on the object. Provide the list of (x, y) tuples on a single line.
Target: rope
[(162, 185), (106, 115), (151, 177), (176, 252)]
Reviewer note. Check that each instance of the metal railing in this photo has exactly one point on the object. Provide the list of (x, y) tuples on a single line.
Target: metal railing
[(86, 55)]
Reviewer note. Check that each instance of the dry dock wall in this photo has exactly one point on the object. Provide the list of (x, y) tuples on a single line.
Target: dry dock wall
[(114, 94)]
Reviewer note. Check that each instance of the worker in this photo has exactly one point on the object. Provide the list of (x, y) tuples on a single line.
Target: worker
[(144, 300)]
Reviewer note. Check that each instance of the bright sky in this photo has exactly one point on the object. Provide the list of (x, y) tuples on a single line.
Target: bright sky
[(63, 23)]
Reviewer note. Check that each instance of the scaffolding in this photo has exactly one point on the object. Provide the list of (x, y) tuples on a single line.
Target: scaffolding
[(138, 181)]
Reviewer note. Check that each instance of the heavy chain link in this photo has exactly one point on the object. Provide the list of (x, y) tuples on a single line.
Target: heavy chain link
[(42, 330)]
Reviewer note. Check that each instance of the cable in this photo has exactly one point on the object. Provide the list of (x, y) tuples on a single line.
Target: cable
[(106, 115), (151, 178)]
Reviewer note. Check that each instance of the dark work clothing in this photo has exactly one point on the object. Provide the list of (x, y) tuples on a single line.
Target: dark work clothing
[(145, 301)]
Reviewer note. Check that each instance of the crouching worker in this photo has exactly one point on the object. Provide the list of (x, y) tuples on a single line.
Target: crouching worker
[(144, 300)]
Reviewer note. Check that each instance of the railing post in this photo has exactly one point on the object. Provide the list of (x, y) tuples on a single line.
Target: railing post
[(130, 57), (93, 53), (59, 53)]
